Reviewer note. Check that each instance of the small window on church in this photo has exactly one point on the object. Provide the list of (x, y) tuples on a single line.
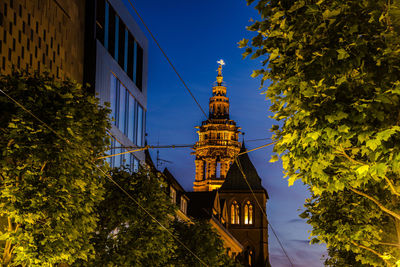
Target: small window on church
[(183, 205), (172, 194), (248, 213), (235, 213)]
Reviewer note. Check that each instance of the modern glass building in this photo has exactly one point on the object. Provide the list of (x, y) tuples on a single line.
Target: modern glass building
[(94, 42), (119, 52)]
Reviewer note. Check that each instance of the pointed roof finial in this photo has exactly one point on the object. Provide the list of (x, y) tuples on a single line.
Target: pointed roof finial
[(221, 63)]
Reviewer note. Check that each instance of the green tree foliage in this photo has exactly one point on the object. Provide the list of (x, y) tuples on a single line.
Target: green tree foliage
[(200, 238), (343, 219), (48, 186), (342, 258), (334, 68), (126, 234)]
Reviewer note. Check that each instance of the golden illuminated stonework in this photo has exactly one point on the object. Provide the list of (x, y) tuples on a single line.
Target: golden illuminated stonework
[(218, 140)]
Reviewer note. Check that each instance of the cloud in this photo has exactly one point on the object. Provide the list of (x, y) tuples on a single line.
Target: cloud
[(296, 221), (303, 242)]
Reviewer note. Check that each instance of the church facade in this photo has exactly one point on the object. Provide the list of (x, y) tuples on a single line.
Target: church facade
[(224, 171)]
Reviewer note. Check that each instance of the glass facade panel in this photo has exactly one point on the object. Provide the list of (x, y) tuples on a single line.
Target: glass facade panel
[(122, 107), (130, 56), (117, 159), (121, 44), (112, 32), (113, 98), (116, 37), (134, 61), (126, 51), (106, 24), (139, 68), (131, 118), (135, 164), (127, 114), (100, 20), (139, 129)]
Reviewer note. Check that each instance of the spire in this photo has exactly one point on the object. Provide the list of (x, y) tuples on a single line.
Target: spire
[(219, 102)]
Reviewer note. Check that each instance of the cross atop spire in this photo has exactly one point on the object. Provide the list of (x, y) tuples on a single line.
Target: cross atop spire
[(221, 63)]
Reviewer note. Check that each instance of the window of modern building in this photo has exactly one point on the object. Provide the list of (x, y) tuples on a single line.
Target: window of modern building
[(248, 213), (106, 24), (125, 60), (131, 118), (140, 125), (128, 160), (122, 110), (183, 205), (131, 56), (100, 20), (116, 39), (112, 32), (127, 114), (139, 67), (172, 194), (235, 212), (114, 92), (134, 163), (121, 44)]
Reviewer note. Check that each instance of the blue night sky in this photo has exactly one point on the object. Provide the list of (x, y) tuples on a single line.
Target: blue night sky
[(195, 34)]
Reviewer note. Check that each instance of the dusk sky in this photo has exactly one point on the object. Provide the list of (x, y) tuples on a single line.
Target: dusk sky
[(195, 34)]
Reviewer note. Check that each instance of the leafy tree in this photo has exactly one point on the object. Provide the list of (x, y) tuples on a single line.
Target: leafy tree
[(334, 68), (342, 258), (343, 215), (200, 238), (126, 234), (48, 185)]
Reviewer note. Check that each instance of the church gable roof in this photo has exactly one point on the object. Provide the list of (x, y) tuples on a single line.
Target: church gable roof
[(234, 179)]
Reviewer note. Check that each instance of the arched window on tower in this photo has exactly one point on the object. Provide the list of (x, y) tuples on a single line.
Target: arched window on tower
[(248, 213), (235, 219)]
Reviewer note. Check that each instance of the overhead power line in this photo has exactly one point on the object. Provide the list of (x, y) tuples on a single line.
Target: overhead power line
[(108, 176), (167, 58)]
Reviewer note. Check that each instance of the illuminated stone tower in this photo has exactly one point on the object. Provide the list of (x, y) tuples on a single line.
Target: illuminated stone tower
[(218, 140)]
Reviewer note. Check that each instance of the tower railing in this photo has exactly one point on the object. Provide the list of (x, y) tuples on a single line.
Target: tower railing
[(217, 142)]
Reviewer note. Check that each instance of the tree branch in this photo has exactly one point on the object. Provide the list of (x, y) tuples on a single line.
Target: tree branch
[(380, 205), (391, 185), (389, 244), (372, 251), (343, 152)]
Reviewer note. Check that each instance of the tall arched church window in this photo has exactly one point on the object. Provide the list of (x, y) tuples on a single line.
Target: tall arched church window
[(235, 213), (248, 213)]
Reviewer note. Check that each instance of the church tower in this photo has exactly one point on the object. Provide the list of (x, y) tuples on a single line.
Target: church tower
[(218, 140)]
